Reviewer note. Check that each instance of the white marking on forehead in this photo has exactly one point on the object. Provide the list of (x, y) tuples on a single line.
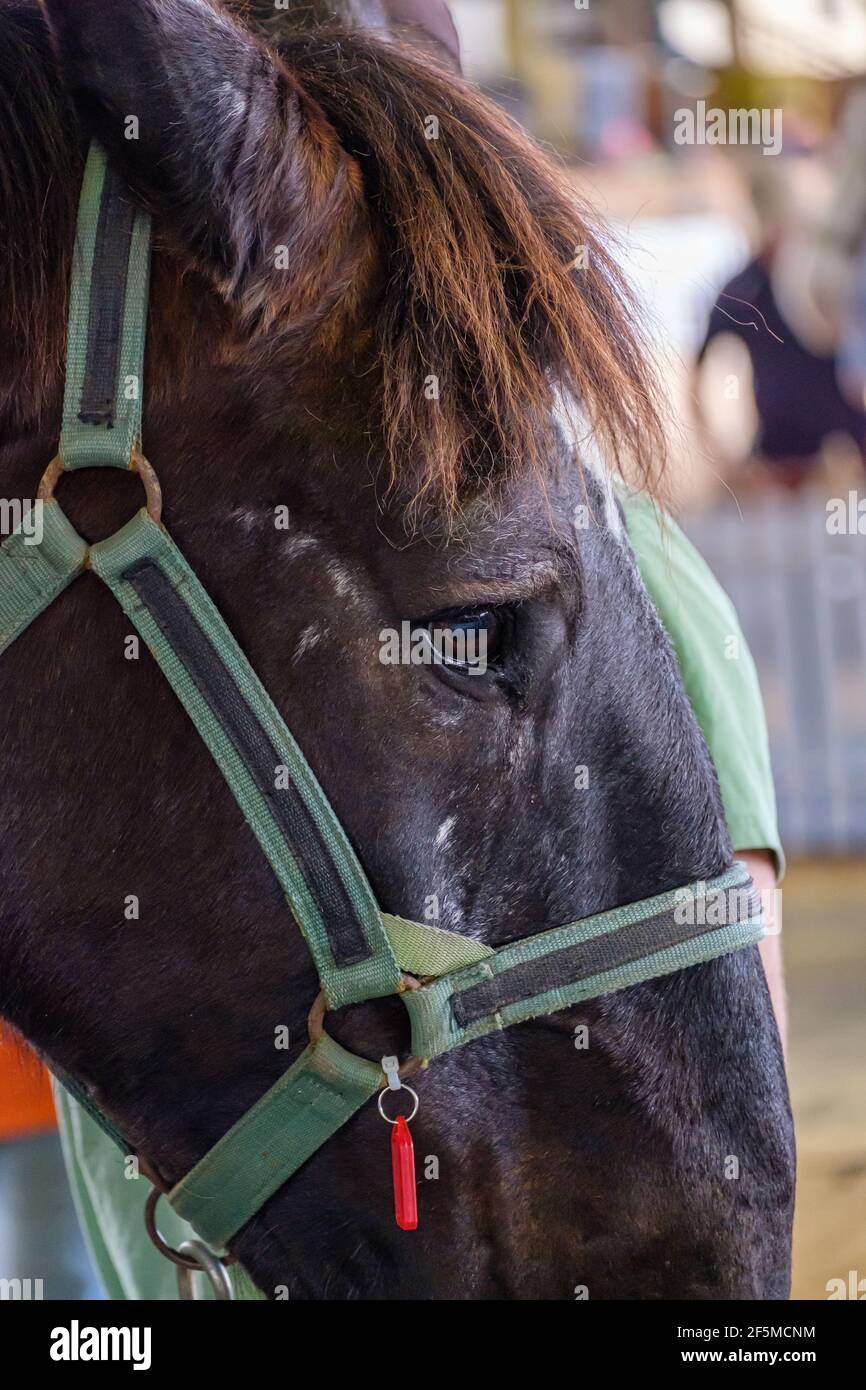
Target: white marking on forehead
[(443, 834), (294, 546), (247, 518), (307, 640), (343, 582), (446, 719), (573, 421)]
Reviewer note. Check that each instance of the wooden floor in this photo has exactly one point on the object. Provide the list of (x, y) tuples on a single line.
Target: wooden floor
[(824, 934)]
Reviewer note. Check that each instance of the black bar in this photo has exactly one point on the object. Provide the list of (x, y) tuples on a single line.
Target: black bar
[(107, 303), (573, 963), (346, 935)]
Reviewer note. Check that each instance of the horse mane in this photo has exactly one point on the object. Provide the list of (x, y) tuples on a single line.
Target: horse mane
[(496, 299), (41, 160), (495, 284)]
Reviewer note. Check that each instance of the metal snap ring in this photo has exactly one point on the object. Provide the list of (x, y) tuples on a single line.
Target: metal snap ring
[(208, 1264), (138, 464), (408, 1118), (179, 1257), (316, 1028)]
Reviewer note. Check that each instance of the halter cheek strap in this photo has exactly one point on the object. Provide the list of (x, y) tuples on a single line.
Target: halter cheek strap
[(269, 777), (107, 324), (456, 989)]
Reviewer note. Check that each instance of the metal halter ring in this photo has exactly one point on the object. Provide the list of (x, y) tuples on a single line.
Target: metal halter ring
[(316, 1028), (210, 1266), (138, 464), (408, 1118), (179, 1257)]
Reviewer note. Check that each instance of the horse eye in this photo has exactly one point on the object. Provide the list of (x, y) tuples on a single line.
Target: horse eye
[(469, 642)]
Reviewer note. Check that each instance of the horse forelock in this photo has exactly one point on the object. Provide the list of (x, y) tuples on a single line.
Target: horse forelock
[(492, 295), (498, 296), (41, 156)]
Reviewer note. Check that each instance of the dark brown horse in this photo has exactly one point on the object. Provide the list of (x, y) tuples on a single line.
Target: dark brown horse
[(366, 308)]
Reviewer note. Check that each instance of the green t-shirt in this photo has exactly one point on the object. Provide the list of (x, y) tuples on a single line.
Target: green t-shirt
[(717, 671), (722, 685)]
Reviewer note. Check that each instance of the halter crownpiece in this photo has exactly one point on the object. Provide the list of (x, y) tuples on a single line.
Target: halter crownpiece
[(455, 989)]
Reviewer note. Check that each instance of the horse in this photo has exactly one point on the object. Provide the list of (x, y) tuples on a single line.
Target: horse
[(379, 312)]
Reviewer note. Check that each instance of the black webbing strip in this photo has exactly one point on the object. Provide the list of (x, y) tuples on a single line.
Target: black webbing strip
[(80, 1094), (107, 300), (615, 948), (194, 648)]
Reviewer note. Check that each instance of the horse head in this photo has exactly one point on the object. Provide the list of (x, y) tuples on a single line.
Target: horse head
[(392, 377)]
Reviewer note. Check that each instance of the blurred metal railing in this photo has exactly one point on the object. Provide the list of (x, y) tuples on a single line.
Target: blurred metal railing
[(800, 593)]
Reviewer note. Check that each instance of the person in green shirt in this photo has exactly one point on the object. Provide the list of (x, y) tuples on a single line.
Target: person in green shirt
[(722, 685), (721, 682)]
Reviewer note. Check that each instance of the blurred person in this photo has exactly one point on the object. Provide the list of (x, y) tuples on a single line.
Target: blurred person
[(841, 280), (852, 352), (775, 308)]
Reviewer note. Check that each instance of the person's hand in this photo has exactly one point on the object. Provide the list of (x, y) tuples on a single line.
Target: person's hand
[(762, 868)]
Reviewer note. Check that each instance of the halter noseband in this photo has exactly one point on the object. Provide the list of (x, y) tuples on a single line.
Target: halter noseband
[(455, 988)]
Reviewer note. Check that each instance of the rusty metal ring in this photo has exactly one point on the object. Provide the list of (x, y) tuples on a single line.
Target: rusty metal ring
[(211, 1266), (185, 1261), (316, 1029), (138, 464), (152, 489)]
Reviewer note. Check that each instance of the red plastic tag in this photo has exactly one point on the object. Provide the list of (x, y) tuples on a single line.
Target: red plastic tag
[(403, 1164)]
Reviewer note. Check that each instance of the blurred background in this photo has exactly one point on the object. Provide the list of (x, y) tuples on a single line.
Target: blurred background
[(723, 144)]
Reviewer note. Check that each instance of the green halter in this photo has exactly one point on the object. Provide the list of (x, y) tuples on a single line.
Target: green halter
[(455, 988)]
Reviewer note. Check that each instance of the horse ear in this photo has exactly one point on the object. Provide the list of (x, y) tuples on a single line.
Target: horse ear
[(216, 138), (428, 24)]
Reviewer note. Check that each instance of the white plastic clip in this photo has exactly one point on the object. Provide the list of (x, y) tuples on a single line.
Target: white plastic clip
[(391, 1067)]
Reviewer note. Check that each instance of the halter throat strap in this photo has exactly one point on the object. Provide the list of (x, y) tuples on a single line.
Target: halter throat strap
[(456, 989)]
